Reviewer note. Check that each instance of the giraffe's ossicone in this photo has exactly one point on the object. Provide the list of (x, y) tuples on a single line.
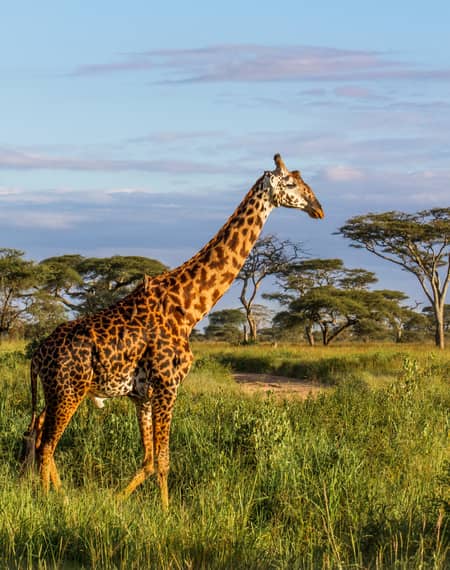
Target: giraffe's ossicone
[(139, 347)]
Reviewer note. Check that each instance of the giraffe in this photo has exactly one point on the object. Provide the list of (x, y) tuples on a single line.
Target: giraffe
[(139, 347)]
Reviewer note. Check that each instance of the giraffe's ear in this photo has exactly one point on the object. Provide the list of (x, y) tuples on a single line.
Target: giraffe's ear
[(280, 166)]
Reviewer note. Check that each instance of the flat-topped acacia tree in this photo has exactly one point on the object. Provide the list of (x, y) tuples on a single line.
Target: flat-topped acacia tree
[(419, 243)]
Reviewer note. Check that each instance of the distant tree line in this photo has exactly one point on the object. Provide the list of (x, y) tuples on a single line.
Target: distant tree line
[(320, 300), (322, 297)]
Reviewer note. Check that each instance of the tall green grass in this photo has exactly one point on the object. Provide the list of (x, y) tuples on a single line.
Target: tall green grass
[(356, 478)]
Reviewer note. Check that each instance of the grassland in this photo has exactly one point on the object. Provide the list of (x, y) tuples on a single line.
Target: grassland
[(355, 478)]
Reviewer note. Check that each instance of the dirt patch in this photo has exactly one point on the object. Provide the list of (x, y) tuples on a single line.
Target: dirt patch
[(278, 385)]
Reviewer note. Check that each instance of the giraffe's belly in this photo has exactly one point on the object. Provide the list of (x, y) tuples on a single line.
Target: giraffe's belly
[(114, 386), (112, 389)]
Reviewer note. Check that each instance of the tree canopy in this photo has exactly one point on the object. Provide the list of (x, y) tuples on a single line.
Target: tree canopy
[(225, 325), (323, 294), (87, 284), (18, 276), (335, 310)]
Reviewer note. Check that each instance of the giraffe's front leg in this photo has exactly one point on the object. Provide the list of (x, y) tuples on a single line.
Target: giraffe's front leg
[(155, 416), (144, 412)]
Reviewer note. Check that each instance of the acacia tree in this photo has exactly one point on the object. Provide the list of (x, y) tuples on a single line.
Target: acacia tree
[(18, 278), (86, 285), (43, 314), (269, 256), (225, 325), (419, 243), (334, 310), (307, 288), (400, 318)]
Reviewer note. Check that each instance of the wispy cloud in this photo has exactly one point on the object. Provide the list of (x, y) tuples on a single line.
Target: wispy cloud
[(11, 159), (248, 63), (354, 92), (352, 190), (5, 191), (114, 218), (45, 220)]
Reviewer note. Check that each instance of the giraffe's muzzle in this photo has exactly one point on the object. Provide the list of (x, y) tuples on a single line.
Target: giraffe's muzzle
[(316, 212)]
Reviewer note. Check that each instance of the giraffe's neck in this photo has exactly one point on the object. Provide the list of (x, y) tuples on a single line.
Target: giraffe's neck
[(200, 282)]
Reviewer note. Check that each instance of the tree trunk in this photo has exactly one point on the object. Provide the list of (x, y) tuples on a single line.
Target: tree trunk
[(334, 334), (309, 335), (439, 334), (325, 338), (4, 334), (252, 327)]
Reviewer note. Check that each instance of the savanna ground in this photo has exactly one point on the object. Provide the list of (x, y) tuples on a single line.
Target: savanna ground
[(355, 476)]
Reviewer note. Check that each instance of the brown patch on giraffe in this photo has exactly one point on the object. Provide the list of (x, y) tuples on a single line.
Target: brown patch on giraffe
[(227, 277), (209, 283), (253, 235), (236, 263), (244, 250), (234, 241)]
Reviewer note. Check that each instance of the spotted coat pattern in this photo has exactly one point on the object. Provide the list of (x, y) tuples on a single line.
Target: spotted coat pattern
[(139, 347)]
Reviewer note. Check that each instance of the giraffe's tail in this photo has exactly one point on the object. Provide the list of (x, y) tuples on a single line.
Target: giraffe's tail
[(30, 437)]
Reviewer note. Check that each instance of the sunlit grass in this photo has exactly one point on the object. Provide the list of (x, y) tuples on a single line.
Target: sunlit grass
[(355, 478), (376, 364)]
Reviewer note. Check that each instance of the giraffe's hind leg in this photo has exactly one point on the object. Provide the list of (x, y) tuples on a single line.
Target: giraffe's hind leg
[(144, 412), (39, 427), (31, 443), (57, 416)]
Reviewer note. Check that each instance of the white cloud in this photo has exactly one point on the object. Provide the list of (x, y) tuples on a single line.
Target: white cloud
[(342, 173), (4, 191), (127, 191), (42, 220)]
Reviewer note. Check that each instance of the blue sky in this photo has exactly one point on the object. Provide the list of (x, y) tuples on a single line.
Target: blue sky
[(137, 127)]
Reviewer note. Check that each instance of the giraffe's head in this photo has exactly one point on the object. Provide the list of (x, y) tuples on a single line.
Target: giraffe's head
[(287, 188)]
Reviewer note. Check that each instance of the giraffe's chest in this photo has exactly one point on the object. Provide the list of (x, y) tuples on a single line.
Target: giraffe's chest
[(117, 366)]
